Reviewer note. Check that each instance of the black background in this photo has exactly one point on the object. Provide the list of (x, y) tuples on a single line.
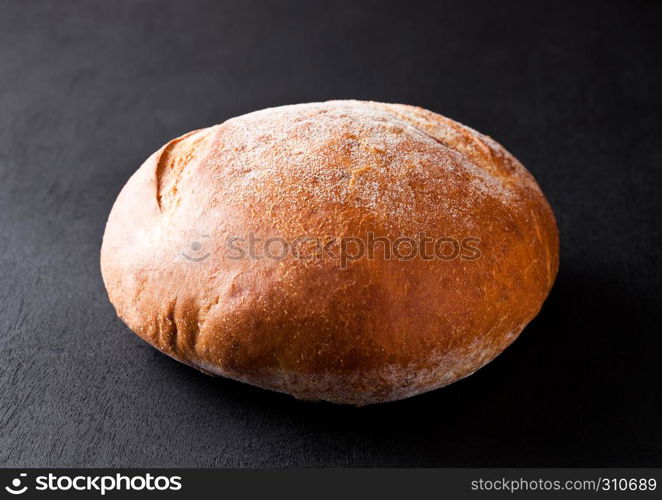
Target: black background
[(89, 89)]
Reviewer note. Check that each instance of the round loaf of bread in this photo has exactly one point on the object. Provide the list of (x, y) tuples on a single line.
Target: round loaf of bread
[(348, 251)]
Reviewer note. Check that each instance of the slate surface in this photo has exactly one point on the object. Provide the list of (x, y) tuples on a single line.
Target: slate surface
[(89, 89)]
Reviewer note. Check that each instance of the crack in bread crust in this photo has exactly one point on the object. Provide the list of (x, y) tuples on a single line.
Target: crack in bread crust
[(173, 160)]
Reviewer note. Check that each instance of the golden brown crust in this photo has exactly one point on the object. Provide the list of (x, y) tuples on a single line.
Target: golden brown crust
[(374, 330)]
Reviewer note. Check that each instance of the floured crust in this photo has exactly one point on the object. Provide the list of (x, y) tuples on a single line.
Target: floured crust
[(377, 330)]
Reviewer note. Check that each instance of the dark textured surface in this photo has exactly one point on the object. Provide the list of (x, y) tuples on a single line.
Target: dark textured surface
[(89, 89)]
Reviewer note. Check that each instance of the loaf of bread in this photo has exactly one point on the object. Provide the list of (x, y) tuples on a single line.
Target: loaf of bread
[(347, 251)]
